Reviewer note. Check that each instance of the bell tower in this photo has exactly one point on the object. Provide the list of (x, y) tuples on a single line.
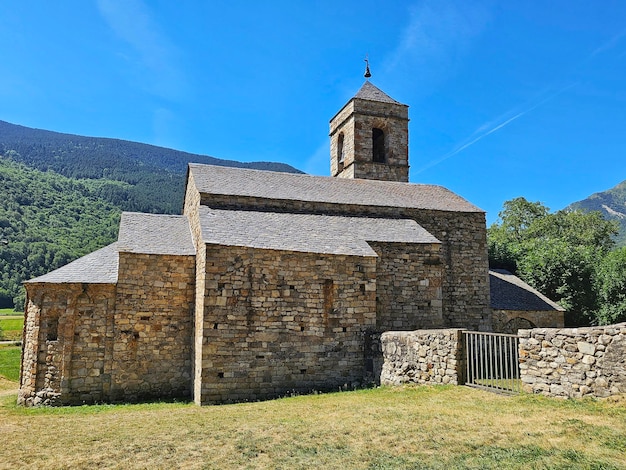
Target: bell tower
[(369, 137)]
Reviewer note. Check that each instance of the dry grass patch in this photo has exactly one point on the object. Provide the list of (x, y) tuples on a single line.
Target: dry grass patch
[(422, 427), (7, 387)]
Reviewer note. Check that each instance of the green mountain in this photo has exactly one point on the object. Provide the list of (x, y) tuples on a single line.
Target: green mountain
[(46, 221), (154, 176), (62, 196), (612, 204)]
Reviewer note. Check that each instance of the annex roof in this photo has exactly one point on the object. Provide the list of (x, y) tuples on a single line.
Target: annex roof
[(155, 234), (306, 232), (371, 92), (509, 292), (219, 180), (99, 267), (139, 233)]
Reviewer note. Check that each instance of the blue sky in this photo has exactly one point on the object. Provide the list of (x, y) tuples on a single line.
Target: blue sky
[(507, 99)]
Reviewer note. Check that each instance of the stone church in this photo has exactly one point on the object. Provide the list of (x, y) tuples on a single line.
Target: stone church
[(268, 282)]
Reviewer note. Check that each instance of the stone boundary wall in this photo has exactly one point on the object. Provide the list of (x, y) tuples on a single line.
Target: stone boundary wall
[(574, 362), (422, 357)]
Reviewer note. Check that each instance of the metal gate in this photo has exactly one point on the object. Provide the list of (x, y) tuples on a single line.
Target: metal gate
[(492, 361)]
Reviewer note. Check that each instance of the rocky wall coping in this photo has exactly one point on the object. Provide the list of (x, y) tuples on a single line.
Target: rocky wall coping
[(619, 328), (422, 332)]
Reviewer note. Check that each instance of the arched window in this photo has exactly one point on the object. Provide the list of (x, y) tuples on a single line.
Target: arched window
[(340, 149), (378, 145)]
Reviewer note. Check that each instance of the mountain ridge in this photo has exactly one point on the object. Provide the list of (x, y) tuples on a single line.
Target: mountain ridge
[(155, 175), (19, 138), (611, 203)]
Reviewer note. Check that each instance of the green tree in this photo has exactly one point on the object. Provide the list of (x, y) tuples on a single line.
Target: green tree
[(506, 238), (557, 253), (563, 272), (611, 286)]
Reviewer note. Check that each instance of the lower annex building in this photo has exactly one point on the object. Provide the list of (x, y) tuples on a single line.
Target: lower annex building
[(267, 283)]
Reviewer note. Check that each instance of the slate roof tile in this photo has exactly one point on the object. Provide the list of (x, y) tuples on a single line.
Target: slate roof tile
[(306, 232), (373, 93), (509, 292), (155, 234), (139, 233), (98, 267), (218, 180)]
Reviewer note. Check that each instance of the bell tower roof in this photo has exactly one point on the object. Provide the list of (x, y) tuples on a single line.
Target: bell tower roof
[(371, 92)]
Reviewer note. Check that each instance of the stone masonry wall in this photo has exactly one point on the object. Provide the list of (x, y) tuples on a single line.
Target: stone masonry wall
[(89, 343), (30, 350), (465, 266), (153, 327), (465, 286), (67, 341), (191, 210), (342, 123), (276, 322), (422, 357), (574, 362), (89, 369), (408, 286)]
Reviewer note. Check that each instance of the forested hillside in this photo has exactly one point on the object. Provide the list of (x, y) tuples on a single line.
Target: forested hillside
[(47, 220), (61, 196), (155, 176), (612, 204)]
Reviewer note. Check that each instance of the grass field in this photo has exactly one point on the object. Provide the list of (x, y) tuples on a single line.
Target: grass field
[(10, 362), (11, 324), (9, 311), (384, 428)]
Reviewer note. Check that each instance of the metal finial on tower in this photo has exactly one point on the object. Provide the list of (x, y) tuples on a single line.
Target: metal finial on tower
[(367, 67)]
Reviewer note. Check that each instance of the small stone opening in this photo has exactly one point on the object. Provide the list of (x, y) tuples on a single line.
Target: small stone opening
[(53, 329), (329, 296), (378, 145), (340, 156)]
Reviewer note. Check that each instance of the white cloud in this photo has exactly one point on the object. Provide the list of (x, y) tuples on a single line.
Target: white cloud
[(318, 163), (496, 124), (437, 36), (150, 49), (608, 45)]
